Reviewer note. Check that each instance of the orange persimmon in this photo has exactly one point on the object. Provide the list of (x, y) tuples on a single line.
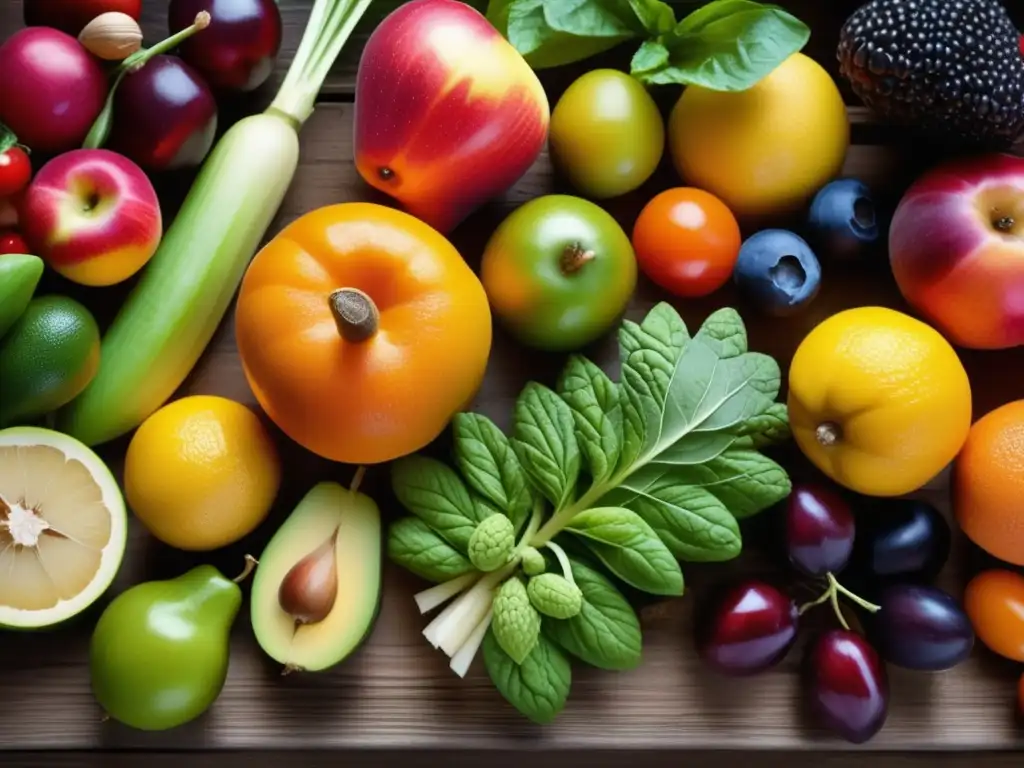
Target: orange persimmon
[(362, 331)]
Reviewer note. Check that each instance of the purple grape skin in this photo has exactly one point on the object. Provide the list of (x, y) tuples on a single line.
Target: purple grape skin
[(820, 529), (921, 628), (848, 685)]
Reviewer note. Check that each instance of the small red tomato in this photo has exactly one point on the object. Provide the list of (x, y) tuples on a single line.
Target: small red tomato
[(12, 242), (687, 240), (15, 171)]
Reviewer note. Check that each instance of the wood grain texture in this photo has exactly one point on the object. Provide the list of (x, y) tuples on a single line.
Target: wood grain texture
[(396, 693)]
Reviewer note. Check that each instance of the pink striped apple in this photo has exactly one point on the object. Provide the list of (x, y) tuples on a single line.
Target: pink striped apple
[(93, 216), (448, 115)]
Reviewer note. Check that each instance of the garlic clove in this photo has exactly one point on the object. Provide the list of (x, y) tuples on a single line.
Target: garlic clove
[(112, 36)]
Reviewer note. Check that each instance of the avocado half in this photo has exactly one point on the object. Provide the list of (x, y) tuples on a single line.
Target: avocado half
[(341, 521)]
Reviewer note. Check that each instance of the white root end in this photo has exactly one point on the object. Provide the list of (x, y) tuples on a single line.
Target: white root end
[(433, 630), (437, 595), (463, 659), (470, 610)]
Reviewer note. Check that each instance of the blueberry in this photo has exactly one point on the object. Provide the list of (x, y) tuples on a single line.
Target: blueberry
[(843, 222), (778, 272)]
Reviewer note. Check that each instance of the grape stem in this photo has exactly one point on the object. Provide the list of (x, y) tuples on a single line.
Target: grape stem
[(831, 595)]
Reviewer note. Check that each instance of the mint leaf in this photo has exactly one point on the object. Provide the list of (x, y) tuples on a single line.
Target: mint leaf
[(630, 549), (745, 481), (435, 493), (415, 546), (606, 631), (539, 687), (596, 412), (544, 438), (692, 521), (655, 16), (728, 45), (490, 466), (765, 429)]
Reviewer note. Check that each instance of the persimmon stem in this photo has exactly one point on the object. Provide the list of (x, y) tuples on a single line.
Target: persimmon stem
[(355, 314)]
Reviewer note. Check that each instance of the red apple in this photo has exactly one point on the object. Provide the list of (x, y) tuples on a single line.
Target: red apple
[(93, 216), (448, 115), (956, 246)]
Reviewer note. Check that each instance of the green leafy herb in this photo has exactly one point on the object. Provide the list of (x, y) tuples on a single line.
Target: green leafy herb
[(539, 687), (633, 476), (725, 45)]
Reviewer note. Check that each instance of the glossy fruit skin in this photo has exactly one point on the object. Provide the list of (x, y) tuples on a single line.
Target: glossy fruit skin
[(988, 478), (12, 242), (879, 422), (238, 50), (159, 654), (777, 271), (19, 278), (686, 241), (848, 685), (15, 171), (47, 358), (747, 630), (435, 130), (71, 16), (374, 400), (994, 601), (733, 144), (921, 628), (607, 135), (901, 540), (951, 262), (51, 89), (843, 220), (201, 473), (165, 116), (819, 529), (533, 284)]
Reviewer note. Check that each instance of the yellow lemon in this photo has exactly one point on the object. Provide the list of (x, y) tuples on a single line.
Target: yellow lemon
[(766, 150), (201, 473), (878, 400)]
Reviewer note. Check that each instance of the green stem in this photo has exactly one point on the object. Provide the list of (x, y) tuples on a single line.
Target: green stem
[(831, 595), (563, 560), (7, 138)]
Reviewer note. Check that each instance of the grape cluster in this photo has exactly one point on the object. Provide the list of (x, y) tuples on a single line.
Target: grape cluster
[(887, 550)]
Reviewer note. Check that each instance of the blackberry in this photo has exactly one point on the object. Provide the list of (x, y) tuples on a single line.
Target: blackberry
[(952, 69)]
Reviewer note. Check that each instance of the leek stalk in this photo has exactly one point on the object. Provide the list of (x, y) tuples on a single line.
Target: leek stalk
[(171, 314)]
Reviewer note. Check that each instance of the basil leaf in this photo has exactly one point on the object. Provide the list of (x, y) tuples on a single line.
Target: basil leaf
[(606, 631), (649, 57), (745, 481), (630, 549), (728, 45), (539, 687), (415, 546), (490, 466), (655, 16), (544, 438), (765, 429), (596, 412), (692, 521), (435, 493), (594, 18)]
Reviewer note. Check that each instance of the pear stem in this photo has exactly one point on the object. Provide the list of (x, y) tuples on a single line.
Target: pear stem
[(250, 565), (355, 313), (357, 480)]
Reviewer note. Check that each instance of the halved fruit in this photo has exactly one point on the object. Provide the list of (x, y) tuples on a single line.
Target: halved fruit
[(63, 527), (317, 588)]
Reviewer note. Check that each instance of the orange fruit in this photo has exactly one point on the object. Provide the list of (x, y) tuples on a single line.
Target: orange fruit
[(988, 483)]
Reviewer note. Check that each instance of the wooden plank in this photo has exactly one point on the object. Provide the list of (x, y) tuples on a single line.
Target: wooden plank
[(398, 691)]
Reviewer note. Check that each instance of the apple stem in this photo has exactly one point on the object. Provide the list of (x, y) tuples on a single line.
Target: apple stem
[(250, 564), (100, 131), (828, 434), (574, 257), (355, 313), (1005, 224)]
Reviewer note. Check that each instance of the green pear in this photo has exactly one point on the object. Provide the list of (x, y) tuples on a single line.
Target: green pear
[(159, 653)]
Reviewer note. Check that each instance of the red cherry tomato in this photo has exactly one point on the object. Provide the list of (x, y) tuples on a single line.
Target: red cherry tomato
[(687, 240), (15, 171), (12, 242)]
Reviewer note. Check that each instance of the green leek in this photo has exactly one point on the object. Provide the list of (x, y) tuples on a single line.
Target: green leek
[(170, 316)]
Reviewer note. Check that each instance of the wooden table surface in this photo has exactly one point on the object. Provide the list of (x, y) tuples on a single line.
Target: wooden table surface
[(396, 697)]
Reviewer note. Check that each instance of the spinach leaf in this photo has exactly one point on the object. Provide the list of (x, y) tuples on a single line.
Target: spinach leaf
[(435, 493), (723, 330), (692, 522), (596, 412), (728, 45), (630, 549), (544, 438), (415, 546), (606, 631), (539, 687), (765, 429), (745, 481), (490, 466)]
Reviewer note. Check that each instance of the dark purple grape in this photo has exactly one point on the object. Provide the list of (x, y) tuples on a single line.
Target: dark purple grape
[(920, 627), (847, 685), (901, 540), (819, 529), (748, 629)]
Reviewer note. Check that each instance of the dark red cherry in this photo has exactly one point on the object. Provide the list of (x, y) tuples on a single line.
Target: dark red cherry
[(819, 529), (848, 685), (747, 629)]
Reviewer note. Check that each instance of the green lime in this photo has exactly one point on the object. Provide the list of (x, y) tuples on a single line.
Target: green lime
[(19, 276), (47, 358)]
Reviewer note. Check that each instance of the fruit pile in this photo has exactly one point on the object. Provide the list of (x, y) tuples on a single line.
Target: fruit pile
[(365, 335)]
